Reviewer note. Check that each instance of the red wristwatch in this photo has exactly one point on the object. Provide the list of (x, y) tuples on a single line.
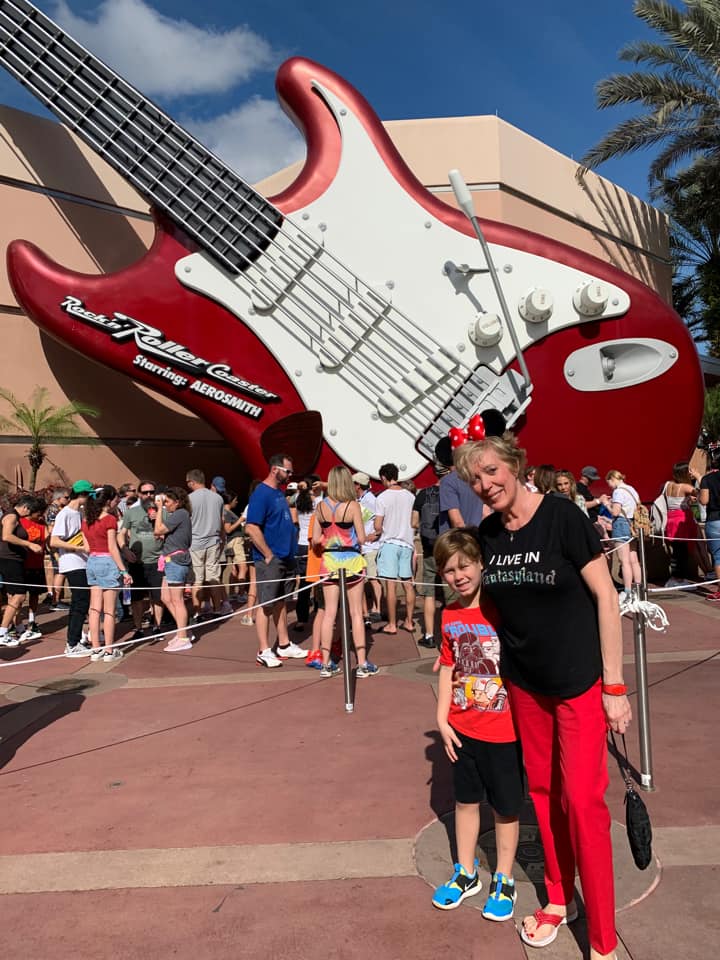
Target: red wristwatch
[(614, 689)]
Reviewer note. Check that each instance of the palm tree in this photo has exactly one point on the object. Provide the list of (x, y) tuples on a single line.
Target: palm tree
[(44, 423), (678, 89), (692, 201)]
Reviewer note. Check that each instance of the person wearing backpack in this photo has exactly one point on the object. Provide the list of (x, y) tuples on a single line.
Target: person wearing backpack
[(426, 520), (623, 503)]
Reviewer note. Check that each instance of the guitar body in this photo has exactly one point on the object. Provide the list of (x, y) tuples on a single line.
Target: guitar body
[(267, 356)]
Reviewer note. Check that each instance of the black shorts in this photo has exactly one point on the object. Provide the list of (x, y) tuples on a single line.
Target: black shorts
[(12, 573), (146, 580), (36, 577), (491, 771)]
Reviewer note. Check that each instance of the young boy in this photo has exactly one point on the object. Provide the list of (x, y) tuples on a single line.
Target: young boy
[(476, 727)]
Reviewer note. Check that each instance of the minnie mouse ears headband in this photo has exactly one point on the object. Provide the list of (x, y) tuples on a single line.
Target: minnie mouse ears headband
[(489, 423)]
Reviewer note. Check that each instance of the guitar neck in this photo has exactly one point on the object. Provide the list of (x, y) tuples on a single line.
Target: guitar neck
[(168, 166)]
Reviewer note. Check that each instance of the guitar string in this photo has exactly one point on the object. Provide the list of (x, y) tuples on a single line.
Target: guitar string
[(176, 160), (348, 357)]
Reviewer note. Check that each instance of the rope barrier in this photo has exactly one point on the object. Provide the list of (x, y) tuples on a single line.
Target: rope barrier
[(164, 633)]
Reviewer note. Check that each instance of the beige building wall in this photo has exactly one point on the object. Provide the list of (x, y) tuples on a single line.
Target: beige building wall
[(55, 192)]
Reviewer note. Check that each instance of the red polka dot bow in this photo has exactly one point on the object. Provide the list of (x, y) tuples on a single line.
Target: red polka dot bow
[(475, 430)]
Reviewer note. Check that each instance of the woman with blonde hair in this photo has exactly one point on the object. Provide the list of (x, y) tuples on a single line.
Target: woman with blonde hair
[(340, 530), (566, 486), (622, 505), (561, 661)]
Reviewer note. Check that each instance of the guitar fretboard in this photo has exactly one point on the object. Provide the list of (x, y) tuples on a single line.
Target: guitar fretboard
[(167, 165)]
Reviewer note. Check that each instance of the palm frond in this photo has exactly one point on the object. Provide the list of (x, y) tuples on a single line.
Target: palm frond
[(627, 137), (652, 90)]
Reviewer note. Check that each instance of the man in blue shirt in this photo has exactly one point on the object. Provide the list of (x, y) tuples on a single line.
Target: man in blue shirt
[(274, 539), (459, 504)]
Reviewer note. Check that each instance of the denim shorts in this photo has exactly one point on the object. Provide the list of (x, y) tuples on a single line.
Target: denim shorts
[(621, 530), (394, 561), (102, 572), (712, 533), (177, 572)]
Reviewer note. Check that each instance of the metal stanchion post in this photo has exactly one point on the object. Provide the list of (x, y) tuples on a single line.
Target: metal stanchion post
[(643, 705), (345, 633)]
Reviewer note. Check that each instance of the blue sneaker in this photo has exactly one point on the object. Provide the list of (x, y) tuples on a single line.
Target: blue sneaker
[(500, 904), (366, 669), (462, 884)]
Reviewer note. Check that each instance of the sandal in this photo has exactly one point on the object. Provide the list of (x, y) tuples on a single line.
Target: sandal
[(552, 919)]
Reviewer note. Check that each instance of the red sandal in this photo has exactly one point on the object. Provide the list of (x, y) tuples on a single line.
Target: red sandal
[(554, 920)]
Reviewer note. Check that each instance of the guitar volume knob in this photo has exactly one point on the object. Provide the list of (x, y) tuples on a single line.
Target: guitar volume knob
[(591, 298), (537, 305), (486, 330)]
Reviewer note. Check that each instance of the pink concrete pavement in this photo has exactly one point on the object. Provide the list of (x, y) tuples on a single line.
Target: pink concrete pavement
[(206, 749)]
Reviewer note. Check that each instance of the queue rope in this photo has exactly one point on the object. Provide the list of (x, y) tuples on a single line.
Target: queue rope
[(157, 636)]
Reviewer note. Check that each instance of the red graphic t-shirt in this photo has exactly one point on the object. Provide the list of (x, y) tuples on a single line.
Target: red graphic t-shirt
[(470, 645)]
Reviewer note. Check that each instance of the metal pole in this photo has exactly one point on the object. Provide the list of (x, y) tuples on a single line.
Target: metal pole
[(643, 705), (345, 636)]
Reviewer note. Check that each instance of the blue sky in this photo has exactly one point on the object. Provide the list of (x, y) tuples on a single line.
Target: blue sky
[(212, 66)]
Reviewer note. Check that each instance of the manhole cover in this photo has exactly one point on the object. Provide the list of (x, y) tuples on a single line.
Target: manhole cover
[(529, 854)]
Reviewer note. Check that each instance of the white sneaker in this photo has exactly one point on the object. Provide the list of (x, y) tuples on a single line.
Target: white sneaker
[(291, 652), (97, 653), (30, 632), (266, 658), (77, 651), (9, 640), (112, 654)]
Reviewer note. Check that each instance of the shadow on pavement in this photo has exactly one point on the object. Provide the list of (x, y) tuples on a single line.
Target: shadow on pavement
[(19, 722)]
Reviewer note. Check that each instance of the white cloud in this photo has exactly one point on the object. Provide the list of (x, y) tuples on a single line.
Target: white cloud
[(256, 139), (165, 57)]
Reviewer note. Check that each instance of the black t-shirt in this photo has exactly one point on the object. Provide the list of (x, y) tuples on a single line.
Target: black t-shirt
[(11, 551), (586, 493), (548, 618), (711, 482)]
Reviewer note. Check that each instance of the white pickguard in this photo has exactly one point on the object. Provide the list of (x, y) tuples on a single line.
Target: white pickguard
[(372, 374)]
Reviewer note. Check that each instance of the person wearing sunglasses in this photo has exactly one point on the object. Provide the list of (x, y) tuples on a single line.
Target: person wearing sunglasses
[(140, 549), (274, 538)]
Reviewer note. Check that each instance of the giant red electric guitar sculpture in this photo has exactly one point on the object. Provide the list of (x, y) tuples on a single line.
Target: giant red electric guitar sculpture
[(352, 317)]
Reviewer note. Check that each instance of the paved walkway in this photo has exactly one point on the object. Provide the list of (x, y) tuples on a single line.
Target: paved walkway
[(197, 805)]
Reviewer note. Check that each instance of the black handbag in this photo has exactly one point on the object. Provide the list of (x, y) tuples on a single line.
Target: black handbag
[(637, 818)]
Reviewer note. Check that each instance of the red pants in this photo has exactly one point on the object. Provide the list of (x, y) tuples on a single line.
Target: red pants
[(564, 746)]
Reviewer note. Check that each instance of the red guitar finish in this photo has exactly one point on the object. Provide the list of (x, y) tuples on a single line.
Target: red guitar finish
[(639, 429)]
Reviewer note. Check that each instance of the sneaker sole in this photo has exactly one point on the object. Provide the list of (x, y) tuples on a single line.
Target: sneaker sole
[(269, 666), (463, 896), (491, 916)]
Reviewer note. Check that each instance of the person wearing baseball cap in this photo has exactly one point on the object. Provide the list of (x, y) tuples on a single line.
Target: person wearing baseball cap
[(589, 475), (66, 538), (83, 488), (218, 485)]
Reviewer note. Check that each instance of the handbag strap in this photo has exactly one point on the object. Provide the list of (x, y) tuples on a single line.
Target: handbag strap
[(623, 765)]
